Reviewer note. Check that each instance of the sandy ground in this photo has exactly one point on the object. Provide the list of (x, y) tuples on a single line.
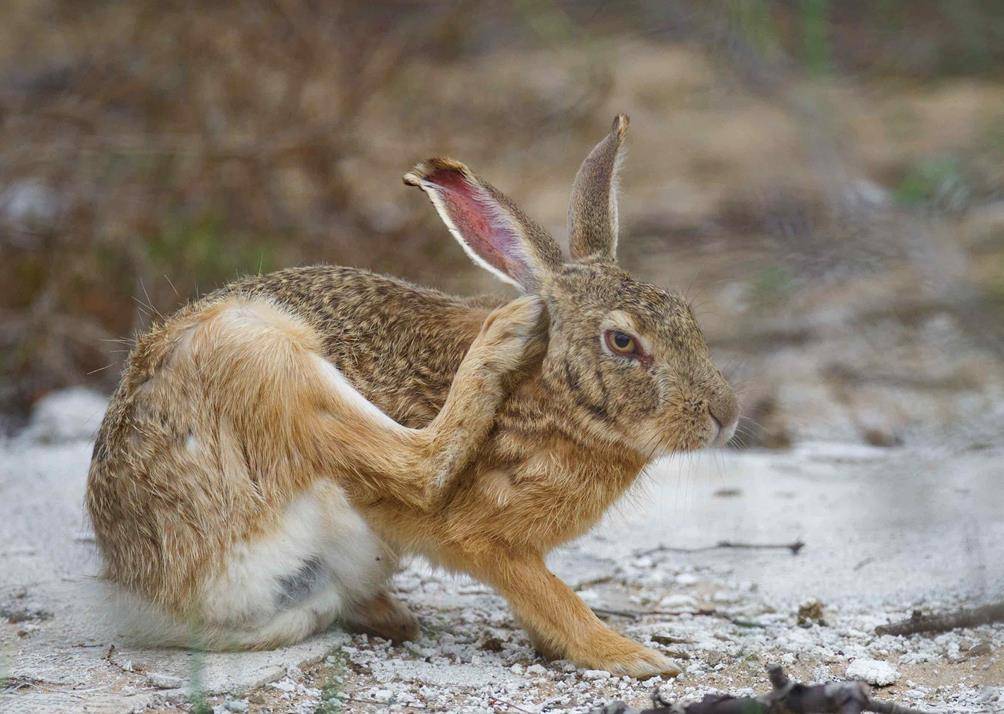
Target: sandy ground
[(885, 531)]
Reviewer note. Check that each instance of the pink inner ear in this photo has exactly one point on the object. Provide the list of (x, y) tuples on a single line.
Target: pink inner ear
[(481, 224)]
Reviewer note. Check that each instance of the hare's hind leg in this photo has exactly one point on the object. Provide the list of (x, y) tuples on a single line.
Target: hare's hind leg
[(271, 380)]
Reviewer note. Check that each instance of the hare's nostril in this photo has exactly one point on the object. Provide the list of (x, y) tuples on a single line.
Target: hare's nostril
[(724, 409), (723, 431)]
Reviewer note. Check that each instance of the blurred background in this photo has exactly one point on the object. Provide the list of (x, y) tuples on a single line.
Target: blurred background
[(822, 179)]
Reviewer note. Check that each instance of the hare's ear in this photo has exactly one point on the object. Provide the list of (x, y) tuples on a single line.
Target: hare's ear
[(491, 229), (592, 212)]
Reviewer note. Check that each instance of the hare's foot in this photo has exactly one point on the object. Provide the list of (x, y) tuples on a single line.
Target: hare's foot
[(609, 651), (383, 616), (619, 655), (508, 332)]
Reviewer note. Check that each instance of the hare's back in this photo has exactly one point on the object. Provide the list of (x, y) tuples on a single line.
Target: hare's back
[(399, 344)]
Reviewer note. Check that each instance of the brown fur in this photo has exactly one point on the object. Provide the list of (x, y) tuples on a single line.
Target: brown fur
[(515, 444)]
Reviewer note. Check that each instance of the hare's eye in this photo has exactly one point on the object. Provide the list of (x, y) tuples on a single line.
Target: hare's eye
[(621, 343)]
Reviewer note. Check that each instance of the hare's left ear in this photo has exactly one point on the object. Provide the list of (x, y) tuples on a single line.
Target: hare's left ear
[(492, 230), (592, 212)]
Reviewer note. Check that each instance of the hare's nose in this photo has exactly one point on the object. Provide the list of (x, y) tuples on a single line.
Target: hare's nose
[(724, 433), (724, 411)]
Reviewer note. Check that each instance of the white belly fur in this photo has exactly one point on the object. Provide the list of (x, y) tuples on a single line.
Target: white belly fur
[(244, 607), (322, 548)]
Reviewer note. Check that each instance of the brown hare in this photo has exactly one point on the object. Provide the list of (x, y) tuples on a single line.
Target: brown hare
[(274, 448)]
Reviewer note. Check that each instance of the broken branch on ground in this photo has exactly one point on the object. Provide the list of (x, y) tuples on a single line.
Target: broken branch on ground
[(638, 614), (944, 621), (786, 696), (794, 547)]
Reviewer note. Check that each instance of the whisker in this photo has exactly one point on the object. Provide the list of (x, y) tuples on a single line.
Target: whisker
[(172, 286), (148, 300)]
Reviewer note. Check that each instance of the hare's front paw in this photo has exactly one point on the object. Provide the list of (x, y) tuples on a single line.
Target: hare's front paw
[(509, 331), (631, 659), (644, 664)]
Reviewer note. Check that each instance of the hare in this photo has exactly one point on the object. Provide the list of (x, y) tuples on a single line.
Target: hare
[(274, 448)]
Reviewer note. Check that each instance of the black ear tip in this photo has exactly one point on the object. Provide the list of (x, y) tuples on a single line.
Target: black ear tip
[(419, 172), (436, 170), (621, 122)]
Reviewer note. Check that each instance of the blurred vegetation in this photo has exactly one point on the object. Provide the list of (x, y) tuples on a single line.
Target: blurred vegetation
[(332, 690), (151, 151), (933, 180)]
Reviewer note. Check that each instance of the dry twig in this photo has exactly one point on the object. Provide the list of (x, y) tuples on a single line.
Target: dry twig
[(787, 697), (639, 614), (941, 622), (794, 547)]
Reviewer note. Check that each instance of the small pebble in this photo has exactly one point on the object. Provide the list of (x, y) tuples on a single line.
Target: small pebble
[(677, 603), (164, 681), (872, 671)]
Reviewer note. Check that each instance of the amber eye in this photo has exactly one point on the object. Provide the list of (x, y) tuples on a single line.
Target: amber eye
[(621, 342)]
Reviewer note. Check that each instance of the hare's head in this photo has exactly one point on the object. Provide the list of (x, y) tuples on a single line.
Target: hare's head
[(627, 356)]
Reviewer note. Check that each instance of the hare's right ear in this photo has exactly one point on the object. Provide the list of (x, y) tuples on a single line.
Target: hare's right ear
[(592, 212), (491, 229)]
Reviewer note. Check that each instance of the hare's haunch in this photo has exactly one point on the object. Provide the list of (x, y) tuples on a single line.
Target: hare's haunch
[(274, 448)]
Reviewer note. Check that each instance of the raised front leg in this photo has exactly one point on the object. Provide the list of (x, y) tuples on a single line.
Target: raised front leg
[(561, 625)]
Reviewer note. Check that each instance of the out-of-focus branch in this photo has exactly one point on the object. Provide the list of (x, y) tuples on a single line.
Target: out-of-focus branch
[(943, 621), (787, 697), (794, 547)]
